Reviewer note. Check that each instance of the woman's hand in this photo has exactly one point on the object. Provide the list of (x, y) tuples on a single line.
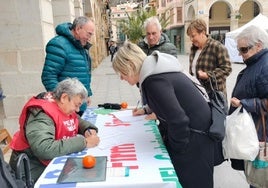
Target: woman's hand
[(90, 132), (202, 75), (151, 116), (92, 141), (138, 112), (235, 102)]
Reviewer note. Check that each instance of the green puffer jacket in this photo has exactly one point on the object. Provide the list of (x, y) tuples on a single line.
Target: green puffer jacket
[(66, 57), (40, 133), (164, 46)]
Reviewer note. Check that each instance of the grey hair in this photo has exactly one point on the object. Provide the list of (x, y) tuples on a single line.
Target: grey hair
[(128, 59), (253, 34), (81, 21), (72, 87), (152, 20)]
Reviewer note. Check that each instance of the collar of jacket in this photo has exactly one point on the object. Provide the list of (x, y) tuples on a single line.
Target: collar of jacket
[(254, 59)]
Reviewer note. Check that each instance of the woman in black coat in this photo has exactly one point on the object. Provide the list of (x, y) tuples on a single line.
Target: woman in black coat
[(176, 101)]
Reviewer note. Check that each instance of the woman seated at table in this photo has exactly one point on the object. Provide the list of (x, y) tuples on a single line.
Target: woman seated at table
[(50, 127), (176, 101)]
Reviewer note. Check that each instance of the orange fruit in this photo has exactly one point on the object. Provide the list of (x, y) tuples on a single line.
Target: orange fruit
[(124, 105), (88, 161)]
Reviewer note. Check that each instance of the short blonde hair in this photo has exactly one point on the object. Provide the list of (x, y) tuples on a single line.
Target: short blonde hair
[(199, 25), (128, 59)]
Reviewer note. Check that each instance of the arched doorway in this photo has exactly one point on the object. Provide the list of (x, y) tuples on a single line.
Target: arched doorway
[(219, 20), (247, 11)]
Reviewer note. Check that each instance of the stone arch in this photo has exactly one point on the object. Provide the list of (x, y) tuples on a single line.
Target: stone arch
[(219, 18), (190, 13), (247, 11), (215, 1)]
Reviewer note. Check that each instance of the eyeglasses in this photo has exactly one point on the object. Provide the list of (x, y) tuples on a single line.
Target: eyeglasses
[(88, 33), (244, 50)]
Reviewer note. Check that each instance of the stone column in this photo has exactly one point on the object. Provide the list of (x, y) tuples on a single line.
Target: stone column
[(234, 21), (63, 11), (25, 29)]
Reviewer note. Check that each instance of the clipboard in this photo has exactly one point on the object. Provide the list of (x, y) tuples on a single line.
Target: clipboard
[(73, 171)]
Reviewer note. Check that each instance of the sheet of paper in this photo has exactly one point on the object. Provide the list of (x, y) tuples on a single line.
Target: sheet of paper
[(126, 116), (109, 138)]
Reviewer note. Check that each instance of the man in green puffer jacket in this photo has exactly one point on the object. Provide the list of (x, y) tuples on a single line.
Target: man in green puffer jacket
[(67, 55)]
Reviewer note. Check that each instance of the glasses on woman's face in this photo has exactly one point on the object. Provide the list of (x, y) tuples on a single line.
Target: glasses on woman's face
[(244, 50)]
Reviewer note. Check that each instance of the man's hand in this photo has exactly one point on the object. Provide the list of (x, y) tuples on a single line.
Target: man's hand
[(88, 101)]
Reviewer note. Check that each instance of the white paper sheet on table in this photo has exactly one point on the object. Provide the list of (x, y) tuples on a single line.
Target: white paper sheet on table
[(126, 116), (109, 138)]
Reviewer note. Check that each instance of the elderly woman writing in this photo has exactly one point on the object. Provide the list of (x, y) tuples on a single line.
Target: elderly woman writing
[(50, 127)]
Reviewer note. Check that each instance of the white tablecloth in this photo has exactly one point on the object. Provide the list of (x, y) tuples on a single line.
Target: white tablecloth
[(136, 144)]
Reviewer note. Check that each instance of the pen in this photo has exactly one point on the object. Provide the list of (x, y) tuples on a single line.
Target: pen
[(138, 104)]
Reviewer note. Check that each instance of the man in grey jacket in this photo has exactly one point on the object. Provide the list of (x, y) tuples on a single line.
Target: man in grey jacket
[(155, 39)]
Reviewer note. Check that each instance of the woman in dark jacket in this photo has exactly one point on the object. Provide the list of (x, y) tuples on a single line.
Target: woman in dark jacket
[(252, 82), (177, 102)]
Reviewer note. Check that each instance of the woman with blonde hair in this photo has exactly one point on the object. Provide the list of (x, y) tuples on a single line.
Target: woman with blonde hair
[(177, 102)]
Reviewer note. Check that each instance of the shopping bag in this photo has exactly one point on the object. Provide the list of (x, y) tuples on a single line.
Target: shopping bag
[(241, 140), (257, 177), (256, 171)]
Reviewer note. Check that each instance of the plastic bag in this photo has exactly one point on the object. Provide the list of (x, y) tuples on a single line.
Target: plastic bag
[(241, 140)]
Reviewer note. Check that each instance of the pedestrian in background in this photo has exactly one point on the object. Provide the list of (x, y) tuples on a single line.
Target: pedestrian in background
[(112, 49), (50, 127), (67, 55), (209, 61), (175, 100), (252, 82)]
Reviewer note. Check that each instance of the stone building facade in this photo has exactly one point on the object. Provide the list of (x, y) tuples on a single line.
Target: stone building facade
[(26, 27), (221, 16)]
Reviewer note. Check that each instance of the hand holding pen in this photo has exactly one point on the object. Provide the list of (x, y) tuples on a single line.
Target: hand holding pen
[(138, 111)]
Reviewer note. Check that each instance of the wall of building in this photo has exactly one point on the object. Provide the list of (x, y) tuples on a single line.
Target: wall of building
[(26, 27), (241, 12)]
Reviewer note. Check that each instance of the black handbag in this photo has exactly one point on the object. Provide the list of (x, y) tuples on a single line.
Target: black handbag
[(219, 107)]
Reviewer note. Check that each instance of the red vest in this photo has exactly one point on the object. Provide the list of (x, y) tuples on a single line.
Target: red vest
[(65, 125)]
